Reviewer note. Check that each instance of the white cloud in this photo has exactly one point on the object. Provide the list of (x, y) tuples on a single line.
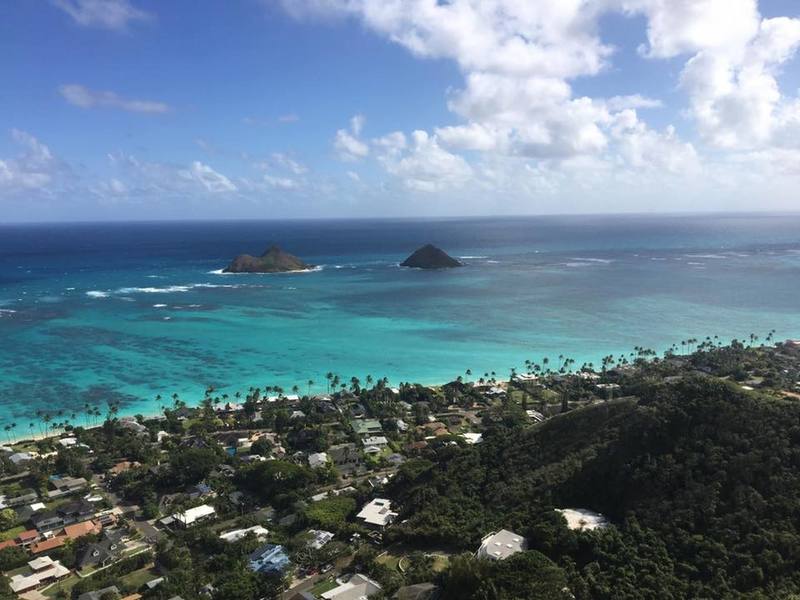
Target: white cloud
[(347, 144), (35, 169), (284, 183), (104, 14), (288, 163), (425, 166), (210, 179), (83, 97), (618, 103)]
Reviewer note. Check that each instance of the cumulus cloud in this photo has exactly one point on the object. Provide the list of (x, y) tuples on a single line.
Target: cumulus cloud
[(83, 97), (347, 143), (33, 169), (105, 14), (210, 179), (425, 166), (519, 59)]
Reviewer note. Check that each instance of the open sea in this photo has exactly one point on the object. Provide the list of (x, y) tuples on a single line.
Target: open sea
[(98, 312)]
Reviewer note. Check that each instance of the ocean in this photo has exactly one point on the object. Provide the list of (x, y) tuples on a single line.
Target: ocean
[(91, 313)]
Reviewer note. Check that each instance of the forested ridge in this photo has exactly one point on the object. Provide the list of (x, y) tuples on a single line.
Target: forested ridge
[(700, 479)]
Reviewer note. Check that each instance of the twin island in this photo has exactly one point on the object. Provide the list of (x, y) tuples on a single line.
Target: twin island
[(275, 260)]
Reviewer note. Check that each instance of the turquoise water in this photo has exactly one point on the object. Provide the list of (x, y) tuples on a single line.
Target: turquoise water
[(91, 313)]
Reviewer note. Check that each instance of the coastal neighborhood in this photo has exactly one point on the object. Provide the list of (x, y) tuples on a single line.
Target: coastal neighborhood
[(291, 496)]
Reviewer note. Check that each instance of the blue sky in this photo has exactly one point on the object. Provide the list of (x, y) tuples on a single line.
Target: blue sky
[(131, 109)]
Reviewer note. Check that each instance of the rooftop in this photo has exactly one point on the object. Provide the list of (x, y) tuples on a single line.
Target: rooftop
[(501, 545), (377, 512)]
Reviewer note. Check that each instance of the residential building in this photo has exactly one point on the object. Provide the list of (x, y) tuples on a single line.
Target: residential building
[(501, 545), (377, 513), (346, 457), (98, 594), (25, 496), (103, 552), (366, 427), (318, 538), (358, 587), (581, 519), (194, 515), (317, 460), (378, 441), (43, 570), (238, 534), (63, 486), (269, 558), (418, 591)]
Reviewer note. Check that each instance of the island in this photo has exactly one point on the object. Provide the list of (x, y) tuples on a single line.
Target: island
[(430, 257), (274, 260)]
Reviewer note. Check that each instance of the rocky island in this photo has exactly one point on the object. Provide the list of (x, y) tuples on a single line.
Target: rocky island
[(274, 260), (430, 257)]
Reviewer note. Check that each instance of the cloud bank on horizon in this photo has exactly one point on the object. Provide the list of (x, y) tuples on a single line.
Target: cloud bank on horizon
[(574, 106)]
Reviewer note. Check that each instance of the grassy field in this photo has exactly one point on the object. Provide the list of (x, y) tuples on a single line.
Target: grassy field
[(323, 586), (10, 534)]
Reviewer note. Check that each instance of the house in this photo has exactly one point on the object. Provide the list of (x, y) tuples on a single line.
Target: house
[(194, 515), (377, 513), (318, 538), (68, 442), (581, 519), (131, 424), (358, 587), (269, 558), (46, 520), (346, 457), (25, 496), (419, 591), (377, 441), (43, 570), (63, 486), (501, 545), (103, 552), (366, 427), (200, 490), (98, 594), (534, 415), (472, 438), (317, 460), (72, 512), (27, 537), (238, 534), (122, 467), (20, 458)]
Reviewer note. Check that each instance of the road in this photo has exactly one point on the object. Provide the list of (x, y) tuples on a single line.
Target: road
[(309, 582)]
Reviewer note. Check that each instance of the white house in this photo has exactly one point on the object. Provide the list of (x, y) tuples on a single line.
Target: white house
[(195, 515), (235, 535), (43, 570), (318, 538), (378, 441), (501, 545), (581, 519), (358, 587), (378, 513), (317, 460)]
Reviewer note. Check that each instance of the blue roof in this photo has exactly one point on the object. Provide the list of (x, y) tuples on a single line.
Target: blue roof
[(269, 558)]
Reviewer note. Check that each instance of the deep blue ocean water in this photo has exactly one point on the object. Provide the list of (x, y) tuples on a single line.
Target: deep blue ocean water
[(97, 312)]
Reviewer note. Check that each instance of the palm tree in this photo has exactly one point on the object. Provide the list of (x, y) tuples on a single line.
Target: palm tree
[(310, 383)]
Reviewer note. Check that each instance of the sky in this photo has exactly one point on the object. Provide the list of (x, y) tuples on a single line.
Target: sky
[(144, 109)]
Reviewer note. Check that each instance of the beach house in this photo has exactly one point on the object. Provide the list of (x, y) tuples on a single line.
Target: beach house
[(377, 513)]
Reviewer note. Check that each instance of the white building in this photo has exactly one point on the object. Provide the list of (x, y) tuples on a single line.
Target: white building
[(318, 538), (43, 570), (235, 535), (195, 515), (581, 519), (472, 438), (359, 587), (317, 460), (501, 545), (378, 513), (377, 441)]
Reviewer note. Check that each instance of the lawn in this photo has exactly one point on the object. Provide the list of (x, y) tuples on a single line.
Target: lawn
[(136, 579), (10, 534), (323, 586)]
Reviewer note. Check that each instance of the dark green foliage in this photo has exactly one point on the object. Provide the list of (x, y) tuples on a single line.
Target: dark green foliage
[(12, 557), (702, 481), (274, 481)]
